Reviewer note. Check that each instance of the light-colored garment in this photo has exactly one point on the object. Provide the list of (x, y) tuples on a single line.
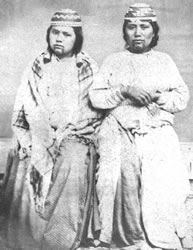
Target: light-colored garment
[(163, 175), (54, 125), (165, 187), (59, 89), (153, 71), (118, 184)]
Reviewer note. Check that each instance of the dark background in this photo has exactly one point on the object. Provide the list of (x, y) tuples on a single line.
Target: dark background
[(23, 25)]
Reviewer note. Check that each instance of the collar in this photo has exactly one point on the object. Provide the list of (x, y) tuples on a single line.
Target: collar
[(80, 58)]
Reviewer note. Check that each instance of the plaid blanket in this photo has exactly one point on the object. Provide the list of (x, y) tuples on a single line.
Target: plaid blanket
[(36, 138)]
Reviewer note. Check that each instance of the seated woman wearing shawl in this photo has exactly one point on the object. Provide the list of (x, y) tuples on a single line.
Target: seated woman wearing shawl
[(142, 181), (54, 125)]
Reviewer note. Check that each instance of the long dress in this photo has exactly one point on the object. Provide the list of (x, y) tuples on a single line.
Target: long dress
[(54, 126), (142, 180)]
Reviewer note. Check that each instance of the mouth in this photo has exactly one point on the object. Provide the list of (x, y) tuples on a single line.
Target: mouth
[(57, 46), (138, 41)]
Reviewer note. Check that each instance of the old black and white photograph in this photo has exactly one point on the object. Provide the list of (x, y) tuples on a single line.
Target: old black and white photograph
[(96, 125)]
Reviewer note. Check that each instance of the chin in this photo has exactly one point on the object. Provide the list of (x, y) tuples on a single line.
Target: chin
[(138, 50), (138, 47), (59, 53)]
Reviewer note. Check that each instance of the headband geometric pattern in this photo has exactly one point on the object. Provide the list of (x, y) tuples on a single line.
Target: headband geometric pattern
[(140, 11), (66, 17)]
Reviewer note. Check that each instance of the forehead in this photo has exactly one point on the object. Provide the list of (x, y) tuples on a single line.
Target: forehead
[(138, 21), (66, 29)]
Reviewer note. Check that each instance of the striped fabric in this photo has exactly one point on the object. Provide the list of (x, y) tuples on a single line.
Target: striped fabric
[(21, 121), (85, 70), (140, 11), (66, 17)]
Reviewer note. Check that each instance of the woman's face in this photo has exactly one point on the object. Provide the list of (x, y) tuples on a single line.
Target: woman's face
[(139, 35), (62, 40)]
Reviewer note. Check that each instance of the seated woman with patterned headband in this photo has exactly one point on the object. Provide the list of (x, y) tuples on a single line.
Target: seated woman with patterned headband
[(54, 125), (142, 182)]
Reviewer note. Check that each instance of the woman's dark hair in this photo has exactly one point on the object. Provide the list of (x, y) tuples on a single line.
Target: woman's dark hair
[(155, 39), (78, 41)]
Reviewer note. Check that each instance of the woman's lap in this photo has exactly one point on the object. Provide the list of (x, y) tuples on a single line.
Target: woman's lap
[(73, 176), (67, 202), (164, 186)]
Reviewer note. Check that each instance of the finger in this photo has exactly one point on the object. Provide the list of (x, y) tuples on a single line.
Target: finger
[(141, 101), (145, 100), (96, 124), (142, 94), (147, 96)]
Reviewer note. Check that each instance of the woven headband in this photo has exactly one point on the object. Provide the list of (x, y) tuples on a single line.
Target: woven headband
[(140, 11), (66, 17)]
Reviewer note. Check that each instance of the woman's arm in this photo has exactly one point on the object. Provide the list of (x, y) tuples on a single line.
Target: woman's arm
[(108, 92), (105, 92), (103, 95), (176, 98)]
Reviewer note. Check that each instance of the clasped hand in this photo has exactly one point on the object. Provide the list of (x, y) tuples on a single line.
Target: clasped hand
[(139, 96)]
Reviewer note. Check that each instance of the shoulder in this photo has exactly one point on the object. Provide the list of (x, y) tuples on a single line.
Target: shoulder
[(166, 61), (162, 56), (84, 60), (115, 62), (116, 57), (39, 62), (35, 66), (84, 57)]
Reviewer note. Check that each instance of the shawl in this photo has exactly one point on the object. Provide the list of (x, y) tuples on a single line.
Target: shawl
[(34, 133)]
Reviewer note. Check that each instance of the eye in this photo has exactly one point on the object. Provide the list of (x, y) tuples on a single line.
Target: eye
[(130, 27), (55, 32), (144, 26), (66, 34)]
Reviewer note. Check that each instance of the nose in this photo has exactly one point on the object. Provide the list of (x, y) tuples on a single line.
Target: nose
[(137, 31), (59, 37)]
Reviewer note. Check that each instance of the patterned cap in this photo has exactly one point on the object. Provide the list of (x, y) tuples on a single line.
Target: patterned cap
[(140, 11), (66, 17)]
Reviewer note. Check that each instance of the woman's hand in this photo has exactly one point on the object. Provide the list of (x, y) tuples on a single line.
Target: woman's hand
[(137, 95)]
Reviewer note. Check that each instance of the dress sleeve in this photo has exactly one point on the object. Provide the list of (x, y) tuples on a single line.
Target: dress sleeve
[(177, 96), (20, 123), (105, 92)]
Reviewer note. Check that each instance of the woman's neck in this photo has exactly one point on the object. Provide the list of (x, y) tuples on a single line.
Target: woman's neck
[(139, 51)]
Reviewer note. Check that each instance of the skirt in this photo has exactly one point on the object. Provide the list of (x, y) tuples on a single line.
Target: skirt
[(65, 222)]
